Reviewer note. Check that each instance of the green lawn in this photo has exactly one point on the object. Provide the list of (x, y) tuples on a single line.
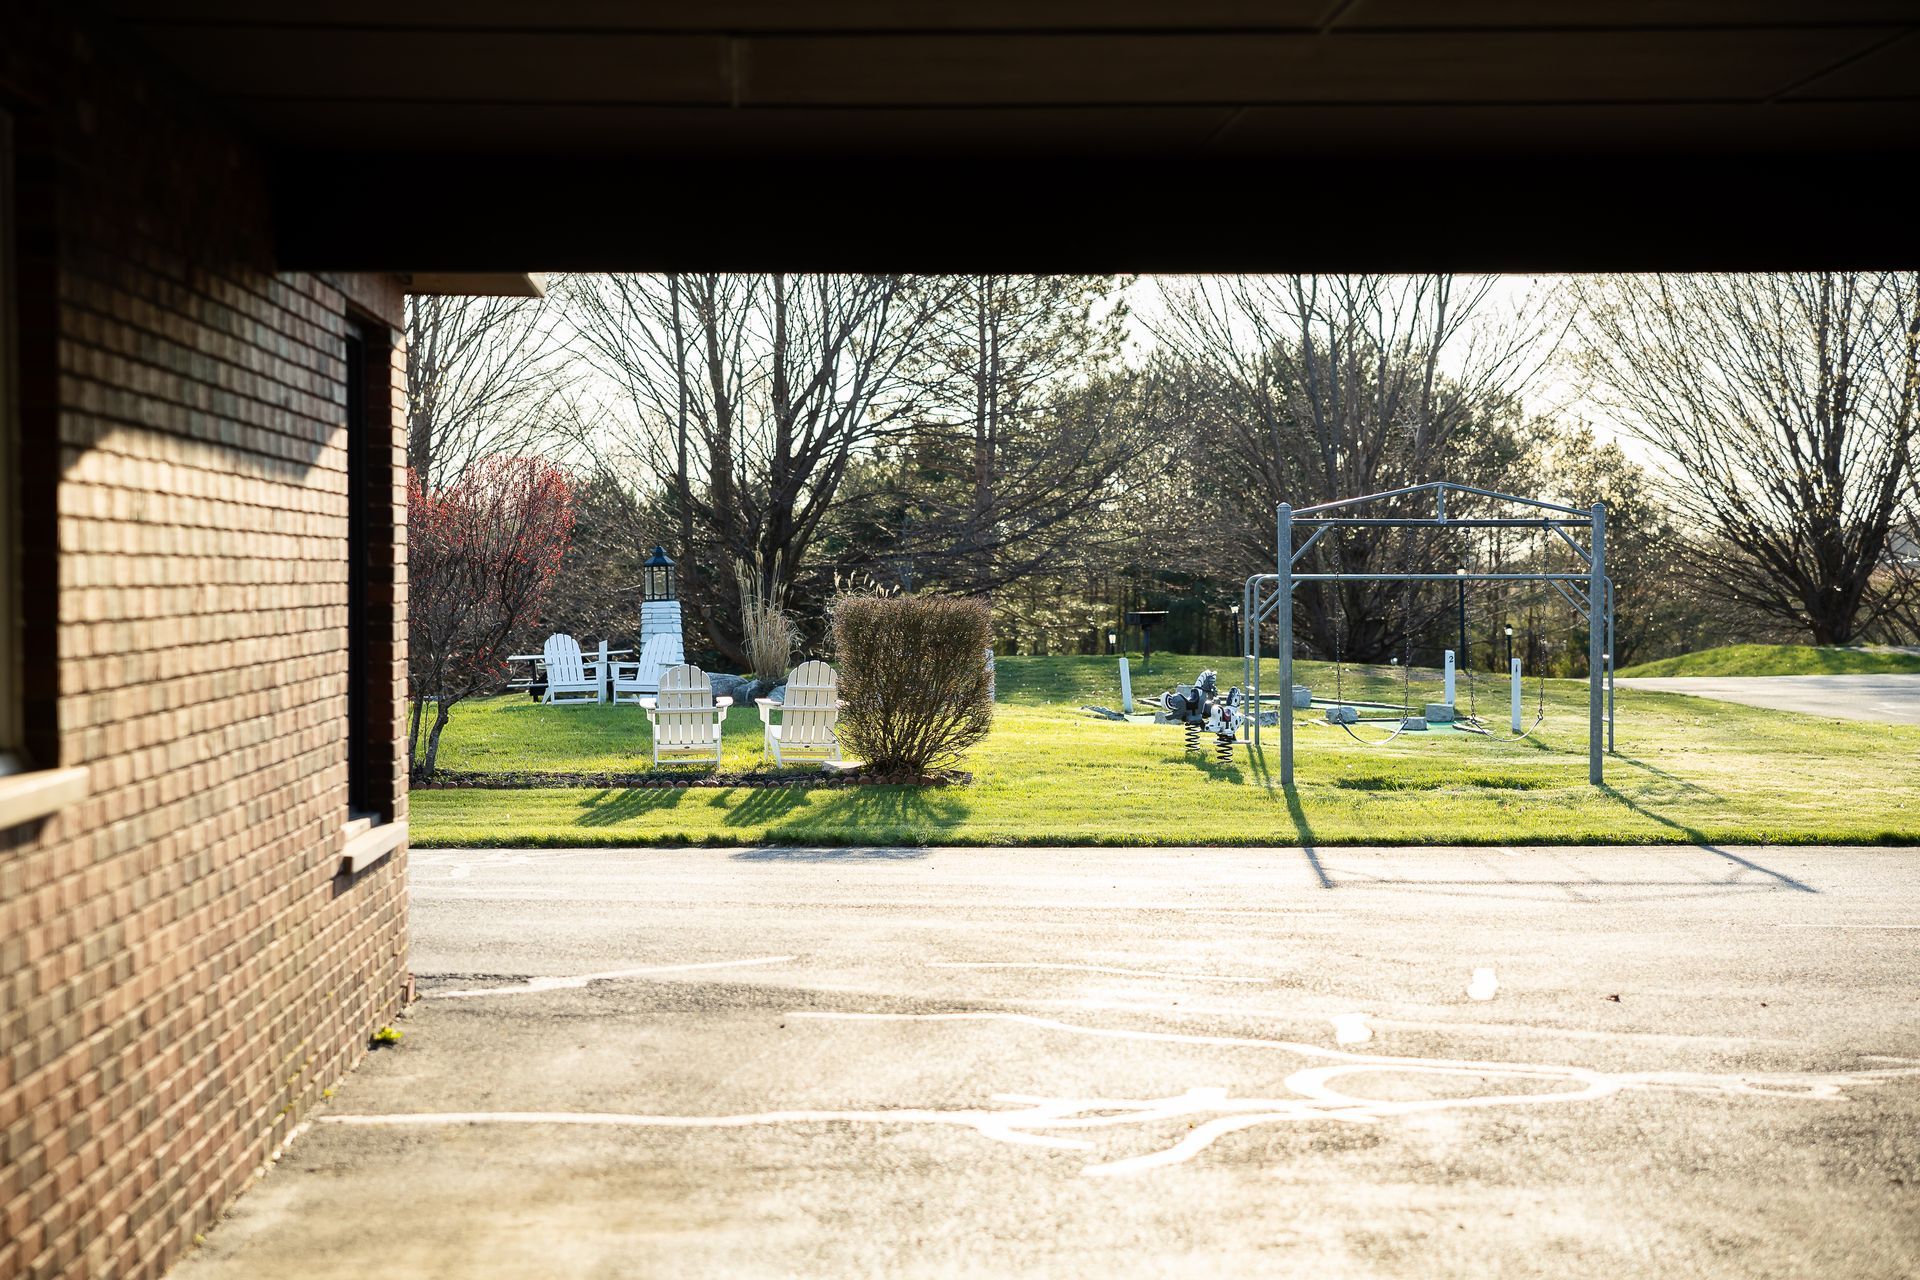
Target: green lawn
[(1687, 770), (1780, 660)]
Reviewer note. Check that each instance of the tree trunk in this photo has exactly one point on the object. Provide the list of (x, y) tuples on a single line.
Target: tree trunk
[(413, 736), (442, 710)]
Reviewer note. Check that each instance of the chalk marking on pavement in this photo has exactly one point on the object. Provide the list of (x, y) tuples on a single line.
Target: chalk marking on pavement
[(1090, 968), (1351, 1028), (582, 979), (1803, 925), (992, 1124), (462, 863), (1164, 1009), (1314, 1097)]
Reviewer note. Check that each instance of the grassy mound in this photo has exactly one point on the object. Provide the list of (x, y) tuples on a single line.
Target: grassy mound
[(1780, 660)]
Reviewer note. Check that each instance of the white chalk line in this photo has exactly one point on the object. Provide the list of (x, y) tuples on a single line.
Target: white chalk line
[(1176, 1010), (577, 980), (1092, 968), (1803, 925), (462, 863), (1314, 1098)]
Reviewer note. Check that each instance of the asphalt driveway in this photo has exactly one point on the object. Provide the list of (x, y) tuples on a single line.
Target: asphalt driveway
[(1086, 1062), (1891, 698)]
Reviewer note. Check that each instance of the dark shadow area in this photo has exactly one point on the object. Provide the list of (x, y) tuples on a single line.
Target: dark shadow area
[(874, 814), (1303, 831), (608, 808), (762, 804), (872, 854), (1214, 769), (1668, 776)]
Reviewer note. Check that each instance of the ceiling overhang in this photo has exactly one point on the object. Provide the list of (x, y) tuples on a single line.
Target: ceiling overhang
[(1070, 134)]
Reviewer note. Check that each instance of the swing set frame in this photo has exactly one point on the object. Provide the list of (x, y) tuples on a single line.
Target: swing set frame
[(1270, 595)]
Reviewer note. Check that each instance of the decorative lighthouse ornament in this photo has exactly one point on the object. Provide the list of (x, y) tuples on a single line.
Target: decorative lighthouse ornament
[(660, 634)]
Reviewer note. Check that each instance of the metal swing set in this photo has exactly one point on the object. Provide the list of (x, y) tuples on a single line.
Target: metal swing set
[(1269, 596)]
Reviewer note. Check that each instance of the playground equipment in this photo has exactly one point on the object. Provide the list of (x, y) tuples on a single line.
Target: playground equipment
[(1269, 596), (1199, 707)]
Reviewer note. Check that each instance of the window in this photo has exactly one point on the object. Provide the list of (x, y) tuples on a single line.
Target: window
[(370, 596), (29, 738), (360, 796), (372, 599), (10, 685)]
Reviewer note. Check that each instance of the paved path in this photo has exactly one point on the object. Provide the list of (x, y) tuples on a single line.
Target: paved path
[(1084, 1062), (1895, 699)]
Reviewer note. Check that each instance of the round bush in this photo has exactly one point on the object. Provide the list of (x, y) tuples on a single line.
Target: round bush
[(913, 677)]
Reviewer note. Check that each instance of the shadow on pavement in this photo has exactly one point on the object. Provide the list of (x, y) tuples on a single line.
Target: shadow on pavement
[(1700, 840), (830, 855)]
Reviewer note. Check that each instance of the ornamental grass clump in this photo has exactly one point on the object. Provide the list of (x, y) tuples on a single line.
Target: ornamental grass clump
[(913, 680), (767, 631)]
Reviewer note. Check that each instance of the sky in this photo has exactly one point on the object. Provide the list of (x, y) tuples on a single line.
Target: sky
[(1550, 391)]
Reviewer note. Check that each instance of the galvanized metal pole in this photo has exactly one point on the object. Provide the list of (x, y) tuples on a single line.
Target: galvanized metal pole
[(1596, 647), (1250, 650), (1613, 661), (1283, 623)]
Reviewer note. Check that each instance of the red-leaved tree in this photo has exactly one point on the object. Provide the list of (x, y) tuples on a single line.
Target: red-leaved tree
[(481, 555)]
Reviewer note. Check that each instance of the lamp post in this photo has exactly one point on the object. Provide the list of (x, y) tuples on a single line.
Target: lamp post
[(1113, 643), (1509, 644)]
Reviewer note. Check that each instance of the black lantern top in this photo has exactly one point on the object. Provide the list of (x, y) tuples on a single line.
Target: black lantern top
[(657, 576)]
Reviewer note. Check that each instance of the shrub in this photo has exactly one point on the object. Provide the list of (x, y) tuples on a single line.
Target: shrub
[(914, 679)]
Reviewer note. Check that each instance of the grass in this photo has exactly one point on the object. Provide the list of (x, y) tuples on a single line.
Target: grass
[(1688, 770), (1780, 660)]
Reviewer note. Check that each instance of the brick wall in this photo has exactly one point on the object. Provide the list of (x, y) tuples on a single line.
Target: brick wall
[(183, 970)]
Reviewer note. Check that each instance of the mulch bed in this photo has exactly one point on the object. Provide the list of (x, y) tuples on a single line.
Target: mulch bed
[(448, 779)]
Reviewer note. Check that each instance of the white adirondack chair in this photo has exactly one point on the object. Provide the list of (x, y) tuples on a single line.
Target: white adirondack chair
[(806, 725), (571, 680), (685, 716), (632, 679)]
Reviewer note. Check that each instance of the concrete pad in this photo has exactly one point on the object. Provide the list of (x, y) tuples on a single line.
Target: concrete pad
[(1892, 699), (847, 1062)]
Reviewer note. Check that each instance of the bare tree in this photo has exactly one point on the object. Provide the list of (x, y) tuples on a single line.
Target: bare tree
[(1312, 388), (1784, 408), (479, 376), (482, 554), (762, 391)]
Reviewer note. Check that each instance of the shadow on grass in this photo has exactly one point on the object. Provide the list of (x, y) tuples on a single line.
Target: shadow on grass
[(760, 804), (610, 808), (1692, 788), (1214, 769), (1699, 838), (877, 815)]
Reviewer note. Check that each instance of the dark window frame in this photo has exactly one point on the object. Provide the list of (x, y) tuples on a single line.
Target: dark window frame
[(373, 599)]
